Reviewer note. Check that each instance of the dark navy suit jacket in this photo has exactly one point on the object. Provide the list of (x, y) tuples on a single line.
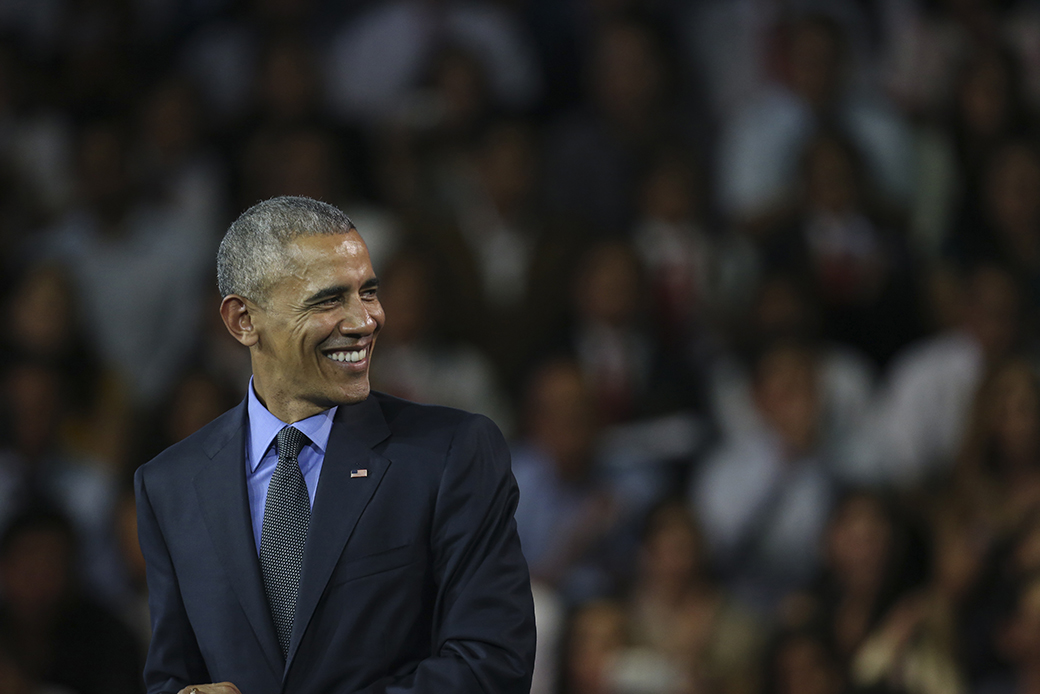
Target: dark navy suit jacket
[(413, 579)]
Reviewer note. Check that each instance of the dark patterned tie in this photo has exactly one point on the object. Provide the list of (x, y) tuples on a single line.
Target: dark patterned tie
[(287, 515)]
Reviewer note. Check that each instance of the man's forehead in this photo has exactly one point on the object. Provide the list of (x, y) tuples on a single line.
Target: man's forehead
[(314, 258)]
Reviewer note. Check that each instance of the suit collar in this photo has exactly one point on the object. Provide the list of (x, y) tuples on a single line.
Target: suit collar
[(341, 497), (221, 490)]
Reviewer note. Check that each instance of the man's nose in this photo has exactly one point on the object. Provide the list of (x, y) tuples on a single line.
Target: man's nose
[(358, 320)]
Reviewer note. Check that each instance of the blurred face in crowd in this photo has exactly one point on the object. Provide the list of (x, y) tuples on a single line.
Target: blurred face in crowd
[(1013, 194), (983, 96), (104, 176), (41, 312), (608, 287), (859, 541), (786, 395), (171, 120), (628, 71), (1013, 415), (814, 62), (991, 310), (35, 572), (506, 167), (669, 192), (311, 339), (461, 88), (288, 81), (671, 550), (34, 394), (597, 636), (830, 178), (561, 417)]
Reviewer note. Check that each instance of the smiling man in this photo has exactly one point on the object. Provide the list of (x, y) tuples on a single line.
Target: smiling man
[(320, 538)]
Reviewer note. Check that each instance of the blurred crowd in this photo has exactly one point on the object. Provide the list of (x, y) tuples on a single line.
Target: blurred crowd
[(752, 286)]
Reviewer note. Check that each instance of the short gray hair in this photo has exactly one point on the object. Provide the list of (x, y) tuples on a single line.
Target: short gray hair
[(255, 244)]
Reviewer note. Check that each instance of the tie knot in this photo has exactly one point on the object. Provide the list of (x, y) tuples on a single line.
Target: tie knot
[(290, 442)]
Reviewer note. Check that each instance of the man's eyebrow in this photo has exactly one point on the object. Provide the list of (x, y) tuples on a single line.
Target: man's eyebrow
[(339, 289), (327, 293)]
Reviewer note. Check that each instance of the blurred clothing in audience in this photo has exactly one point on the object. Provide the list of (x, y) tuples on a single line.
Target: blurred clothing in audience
[(763, 496), (856, 264), (928, 42), (596, 153), (998, 467), (699, 276), (378, 58), (784, 307), (760, 145), (137, 267), (916, 424), (678, 613), (569, 516)]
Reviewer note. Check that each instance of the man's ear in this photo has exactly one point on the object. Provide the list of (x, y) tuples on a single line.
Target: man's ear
[(235, 310)]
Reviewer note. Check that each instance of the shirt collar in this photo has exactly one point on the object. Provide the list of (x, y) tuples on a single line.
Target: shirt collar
[(264, 427)]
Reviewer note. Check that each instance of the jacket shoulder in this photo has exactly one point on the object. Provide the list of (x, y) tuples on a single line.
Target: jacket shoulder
[(198, 447)]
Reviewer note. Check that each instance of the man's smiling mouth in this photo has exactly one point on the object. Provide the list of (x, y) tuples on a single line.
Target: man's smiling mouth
[(347, 355)]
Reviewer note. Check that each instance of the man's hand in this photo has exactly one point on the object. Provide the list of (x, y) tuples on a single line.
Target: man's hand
[(218, 688)]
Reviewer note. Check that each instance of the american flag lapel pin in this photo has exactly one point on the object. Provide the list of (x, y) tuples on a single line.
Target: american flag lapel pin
[(359, 472)]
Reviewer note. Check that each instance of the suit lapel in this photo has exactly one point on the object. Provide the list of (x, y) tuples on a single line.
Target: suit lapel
[(339, 502), (221, 490)]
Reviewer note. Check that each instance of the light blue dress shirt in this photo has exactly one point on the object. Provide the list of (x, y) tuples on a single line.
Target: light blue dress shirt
[(262, 456)]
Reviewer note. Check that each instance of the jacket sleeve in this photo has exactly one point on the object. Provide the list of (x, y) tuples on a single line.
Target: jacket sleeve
[(174, 660), (483, 637)]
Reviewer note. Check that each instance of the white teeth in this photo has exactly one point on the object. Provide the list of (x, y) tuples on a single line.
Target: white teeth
[(357, 355)]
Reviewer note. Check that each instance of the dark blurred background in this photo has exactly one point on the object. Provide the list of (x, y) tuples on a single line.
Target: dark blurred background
[(752, 286)]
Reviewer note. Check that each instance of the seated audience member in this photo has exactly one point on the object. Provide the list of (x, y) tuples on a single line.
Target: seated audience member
[(679, 614), (998, 468), (763, 496), (42, 322), (1007, 231), (917, 421), (509, 259), (867, 566), (36, 468), (568, 509), (60, 636), (632, 375), (137, 267), (854, 261), (419, 358), (594, 154), (783, 306), (698, 276), (759, 147), (918, 646)]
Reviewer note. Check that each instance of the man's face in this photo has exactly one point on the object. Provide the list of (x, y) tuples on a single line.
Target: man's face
[(316, 330)]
